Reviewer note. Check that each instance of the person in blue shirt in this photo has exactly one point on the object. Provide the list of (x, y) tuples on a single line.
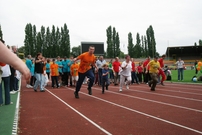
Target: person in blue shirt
[(28, 62), (66, 70), (105, 77), (59, 63)]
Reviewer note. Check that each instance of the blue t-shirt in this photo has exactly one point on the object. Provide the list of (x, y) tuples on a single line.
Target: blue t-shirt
[(47, 67), (66, 67), (32, 70), (29, 63), (104, 71), (59, 63)]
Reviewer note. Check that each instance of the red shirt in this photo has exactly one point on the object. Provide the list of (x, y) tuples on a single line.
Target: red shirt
[(2, 64), (145, 63), (116, 66), (139, 69), (161, 62), (133, 67)]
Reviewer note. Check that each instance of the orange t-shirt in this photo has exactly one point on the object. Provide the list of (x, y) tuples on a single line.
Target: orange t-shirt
[(54, 69), (2, 64), (74, 69), (86, 60)]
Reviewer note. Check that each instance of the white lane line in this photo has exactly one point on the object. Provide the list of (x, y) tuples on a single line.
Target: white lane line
[(145, 114), (153, 93), (99, 127), (154, 101), (175, 91)]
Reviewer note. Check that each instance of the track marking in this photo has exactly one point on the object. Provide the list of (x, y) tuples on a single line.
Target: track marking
[(198, 100), (145, 114), (99, 127), (160, 89), (149, 100)]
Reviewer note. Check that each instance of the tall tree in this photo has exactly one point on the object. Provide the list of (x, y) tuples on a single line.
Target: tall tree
[(48, 51), (146, 46), (28, 41), (200, 42), (137, 47), (65, 41), (117, 45), (109, 43), (1, 33), (43, 45), (130, 45), (34, 43), (151, 41), (39, 43)]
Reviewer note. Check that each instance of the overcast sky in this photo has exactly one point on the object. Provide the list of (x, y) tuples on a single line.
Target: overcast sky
[(175, 22)]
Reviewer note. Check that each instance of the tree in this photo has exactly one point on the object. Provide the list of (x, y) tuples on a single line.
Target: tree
[(1, 33), (195, 44), (28, 41), (130, 45), (65, 41), (151, 41), (76, 51), (137, 47), (113, 43), (109, 42), (200, 42)]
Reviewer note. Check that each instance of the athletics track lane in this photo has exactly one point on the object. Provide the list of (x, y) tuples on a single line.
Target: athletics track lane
[(113, 118)]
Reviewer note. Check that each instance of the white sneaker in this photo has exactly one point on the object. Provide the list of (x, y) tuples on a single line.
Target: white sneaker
[(120, 90), (127, 87), (29, 86), (12, 92)]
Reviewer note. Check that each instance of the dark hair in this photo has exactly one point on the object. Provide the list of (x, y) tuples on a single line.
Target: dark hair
[(127, 56), (53, 60), (38, 55), (91, 46), (163, 55)]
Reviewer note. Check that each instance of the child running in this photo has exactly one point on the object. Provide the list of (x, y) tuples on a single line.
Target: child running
[(74, 72), (105, 81)]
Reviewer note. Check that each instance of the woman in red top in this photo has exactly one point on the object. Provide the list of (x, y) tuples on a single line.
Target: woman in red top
[(140, 72)]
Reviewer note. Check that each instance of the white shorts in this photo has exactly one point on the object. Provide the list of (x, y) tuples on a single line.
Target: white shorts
[(75, 78)]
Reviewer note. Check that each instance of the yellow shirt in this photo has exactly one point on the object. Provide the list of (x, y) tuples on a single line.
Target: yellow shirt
[(154, 66)]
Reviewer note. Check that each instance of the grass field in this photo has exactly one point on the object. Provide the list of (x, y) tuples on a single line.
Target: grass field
[(188, 74)]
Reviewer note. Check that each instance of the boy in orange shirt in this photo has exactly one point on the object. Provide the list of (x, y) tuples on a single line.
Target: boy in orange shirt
[(74, 72), (54, 73)]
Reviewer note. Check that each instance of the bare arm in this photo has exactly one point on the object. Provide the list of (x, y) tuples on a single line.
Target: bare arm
[(6, 56)]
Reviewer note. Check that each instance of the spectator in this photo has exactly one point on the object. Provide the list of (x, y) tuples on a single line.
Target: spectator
[(100, 62), (6, 79), (116, 66), (28, 62), (140, 72), (180, 67)]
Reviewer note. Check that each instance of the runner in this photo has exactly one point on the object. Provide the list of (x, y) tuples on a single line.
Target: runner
[(87, 60)]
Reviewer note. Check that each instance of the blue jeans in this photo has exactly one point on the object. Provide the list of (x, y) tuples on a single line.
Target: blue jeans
[(6, 81), (82, 76), (16, 84), (134, 77), (180, 73), (38, 81)]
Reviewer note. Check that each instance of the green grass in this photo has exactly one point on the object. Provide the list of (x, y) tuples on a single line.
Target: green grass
[(188, 74)]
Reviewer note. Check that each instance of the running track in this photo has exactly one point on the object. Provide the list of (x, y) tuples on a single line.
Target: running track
[(174, 109)]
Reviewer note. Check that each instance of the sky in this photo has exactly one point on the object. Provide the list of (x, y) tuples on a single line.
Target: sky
[(175, 22)]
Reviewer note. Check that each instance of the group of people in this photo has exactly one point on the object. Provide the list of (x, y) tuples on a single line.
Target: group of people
[(11, 69), (60, 72)]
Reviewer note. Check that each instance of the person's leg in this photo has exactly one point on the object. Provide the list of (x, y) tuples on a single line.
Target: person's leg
[(178, 73), (154, 80), (100, 76), (1, 96), (132, 76), (7, 90), (103, 85), (56, 81), (91, 77), (115, 78), (122, 80), (136, 78), (52, 79), (182, 74), (37, 82), (80, 81)]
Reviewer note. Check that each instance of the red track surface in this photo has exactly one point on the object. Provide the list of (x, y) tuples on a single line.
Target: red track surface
[(174, 109)]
